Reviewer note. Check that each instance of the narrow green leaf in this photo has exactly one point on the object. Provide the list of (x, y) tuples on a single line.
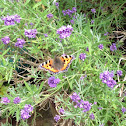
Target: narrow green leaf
[(5, 51), (38, 4), (28, 87), (27, 1), (41, 85), (17, 115)]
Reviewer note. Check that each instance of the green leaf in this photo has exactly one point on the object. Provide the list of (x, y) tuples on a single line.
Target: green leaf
[(17, 115), (5, 51), (27, 1), (36, 5), (41, 85), (28, 87)]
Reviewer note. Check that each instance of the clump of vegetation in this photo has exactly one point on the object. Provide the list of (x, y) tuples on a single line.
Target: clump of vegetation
[(68, 54)]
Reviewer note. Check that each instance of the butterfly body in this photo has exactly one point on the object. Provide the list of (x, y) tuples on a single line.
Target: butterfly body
[(58, 64)]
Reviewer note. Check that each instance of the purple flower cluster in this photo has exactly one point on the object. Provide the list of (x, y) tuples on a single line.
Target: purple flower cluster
[(87, 49), (5, 40), (100, 108), (69, 12), (61, 111), (72, 21), (113, 47), (50, 16), (30, 33), (17, 100), (64, 31), (52, 81), (57, 4), (5, 100), (25, 111), (93, 10), (92, 21), (106, 34), (100, 46), (20, 43), (92, 116), (10, 20), (82, 56), (82, 77), (123, 109), (119, 72), (107, 78), (101, 124), (85, 105), (45, 35), (56, 118)]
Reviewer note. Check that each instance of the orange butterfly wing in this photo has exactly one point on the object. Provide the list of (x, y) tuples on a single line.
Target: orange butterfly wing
[(67, 61), (48, 66)]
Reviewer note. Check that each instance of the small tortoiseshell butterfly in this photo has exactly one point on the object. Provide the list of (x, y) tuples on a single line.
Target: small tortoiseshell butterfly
[(58, 64)]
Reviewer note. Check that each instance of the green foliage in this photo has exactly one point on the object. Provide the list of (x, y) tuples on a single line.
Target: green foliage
[(31, 83)]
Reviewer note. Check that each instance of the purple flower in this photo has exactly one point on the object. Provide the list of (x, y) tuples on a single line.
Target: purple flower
[(5, 100), (61, 111), (84, 15), (45, 35), (82, 77), (17, 100), (87, 49), (64, 31), (72, 21), (75, 97), (92, 21), (107, 78), (119, 72), (31, 23), (82, 56), (93, 10), (100, 108), (30, 33), (50, 16), (52, 81), (24, 114), (106, 34), (10, 20), (17, 18), (74, 16), (123, 109), (92, 116), (28, 108), (69, 12), (85, 105), (57, 4), (25, 111), (95, 103), (56, 118), (102, 8), (74, 9), (20, 43), (113, 47), (5, 40), (100, 46)]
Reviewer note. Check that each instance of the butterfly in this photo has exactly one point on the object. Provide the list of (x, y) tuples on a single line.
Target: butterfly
[(58, 64)]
